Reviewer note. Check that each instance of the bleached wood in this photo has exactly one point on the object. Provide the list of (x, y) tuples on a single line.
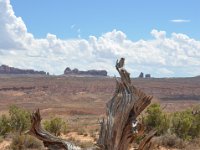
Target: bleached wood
[(127, 103)]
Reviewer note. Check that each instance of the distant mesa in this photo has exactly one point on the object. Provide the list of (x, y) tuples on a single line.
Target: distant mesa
[(4, 69), (75, 72), (146, 75)]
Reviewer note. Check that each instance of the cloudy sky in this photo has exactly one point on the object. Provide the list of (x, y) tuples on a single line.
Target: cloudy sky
[(161, 38)]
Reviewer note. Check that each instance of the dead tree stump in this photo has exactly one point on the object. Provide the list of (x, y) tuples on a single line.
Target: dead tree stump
[(120, 125), (118, 129)]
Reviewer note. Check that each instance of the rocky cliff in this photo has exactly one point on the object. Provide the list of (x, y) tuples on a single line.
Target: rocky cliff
[(4, 69), (75, 71)]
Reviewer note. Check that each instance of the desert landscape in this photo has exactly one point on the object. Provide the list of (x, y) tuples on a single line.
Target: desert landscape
[(81, 101), (65, 84), (72, 95)]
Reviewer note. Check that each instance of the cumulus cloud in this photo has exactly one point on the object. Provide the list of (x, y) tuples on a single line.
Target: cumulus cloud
[(158, 34), (12, 29), (180, 21), (173, 55)]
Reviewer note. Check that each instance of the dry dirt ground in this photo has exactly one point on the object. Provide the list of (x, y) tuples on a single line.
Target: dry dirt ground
[(87, 96), (80, 101)]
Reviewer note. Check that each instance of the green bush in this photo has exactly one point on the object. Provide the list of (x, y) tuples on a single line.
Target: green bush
[(19, 119), (195, 128), (55, 126), (186, 125), (4, 125), (32, 143), (156, 119), (23, 142)]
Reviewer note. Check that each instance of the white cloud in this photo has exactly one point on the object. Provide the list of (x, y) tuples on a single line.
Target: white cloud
[(158, 34), (174, 55), (180, 21), (13, 30)]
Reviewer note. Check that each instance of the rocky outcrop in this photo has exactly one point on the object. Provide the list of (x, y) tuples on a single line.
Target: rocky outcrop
[(141, 75), (75, 71), (147, 75), (4, 69)]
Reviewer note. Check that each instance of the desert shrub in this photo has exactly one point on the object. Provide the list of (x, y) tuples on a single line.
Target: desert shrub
[(182, 123), (23, 142), (156, 119), (32, 143), (4, 125), (19, 119), (186, 125), (169, 140), (194, 131), (55, 126)]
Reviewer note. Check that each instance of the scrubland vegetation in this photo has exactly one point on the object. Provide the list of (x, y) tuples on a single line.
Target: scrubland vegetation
[(14, 126), (176, 129), (17, 123)]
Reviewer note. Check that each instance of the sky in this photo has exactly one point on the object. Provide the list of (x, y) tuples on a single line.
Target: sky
[(157, 37)]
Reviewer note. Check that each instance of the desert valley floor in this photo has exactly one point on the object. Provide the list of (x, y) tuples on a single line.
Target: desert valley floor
[(87, 96)]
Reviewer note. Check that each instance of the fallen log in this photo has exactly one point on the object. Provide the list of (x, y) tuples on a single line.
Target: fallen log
[(50, 141)]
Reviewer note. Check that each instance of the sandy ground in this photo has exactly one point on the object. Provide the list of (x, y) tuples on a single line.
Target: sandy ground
[(5, 144)]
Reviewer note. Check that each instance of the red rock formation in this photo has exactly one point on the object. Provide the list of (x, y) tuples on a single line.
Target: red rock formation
[(75, 71), (4, 69)]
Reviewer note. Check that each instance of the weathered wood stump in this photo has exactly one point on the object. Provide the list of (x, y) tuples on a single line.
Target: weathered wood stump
[(120, 125)]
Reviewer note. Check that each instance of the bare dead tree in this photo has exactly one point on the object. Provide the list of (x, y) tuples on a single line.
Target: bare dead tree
[(119, 127)]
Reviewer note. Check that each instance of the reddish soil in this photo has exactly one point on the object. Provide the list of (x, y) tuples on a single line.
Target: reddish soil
[(81, 101), (87, 96)]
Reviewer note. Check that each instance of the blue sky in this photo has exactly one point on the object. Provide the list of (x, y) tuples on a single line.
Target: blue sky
[(136, 18), (156, 37)]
